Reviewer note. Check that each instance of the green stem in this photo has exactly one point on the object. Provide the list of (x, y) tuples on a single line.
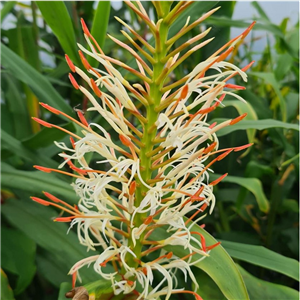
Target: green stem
[(150, 129)]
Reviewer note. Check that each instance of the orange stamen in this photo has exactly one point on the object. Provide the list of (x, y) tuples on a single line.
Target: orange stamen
[(43, 169), (234, 86), (236, 120), (73, 81), (242, 147), (84, 61), (44, 123), (70, 63), (218, 180), (84, 27), (50, 108), (82, 118), (41, 201), (95, 88), (132, 188)]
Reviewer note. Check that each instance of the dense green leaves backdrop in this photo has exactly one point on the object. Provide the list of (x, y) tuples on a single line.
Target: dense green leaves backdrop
[(256, 215)]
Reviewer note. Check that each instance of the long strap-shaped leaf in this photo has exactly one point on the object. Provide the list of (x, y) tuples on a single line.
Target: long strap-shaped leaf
[(57, 17), (263, 257), (219, 266), (37, 82)]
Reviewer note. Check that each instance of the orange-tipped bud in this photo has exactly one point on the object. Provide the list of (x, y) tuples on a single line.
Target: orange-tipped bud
[(132, 188), (82, 118), (40, 201), (203, 242), (50, 108), (238, 119), (213, 246), (184, 92), (43, 169), (124, 140), (242, 147), (84, 61), (197, 194), (225, 54), (210, 147), (248, 66), (220, 157), (74, 277), (95, 88), (73, 81), (212, 125), (148, 220), (203, 208), (130, 283), (245, 33), (169, 255), (234, 86), (70, 63), (72, 142), (64, 219), (51, 197), (44, 123), (218, 180), (84, 27)]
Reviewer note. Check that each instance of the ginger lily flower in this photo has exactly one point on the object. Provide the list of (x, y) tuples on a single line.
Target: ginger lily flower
[(151, 172)]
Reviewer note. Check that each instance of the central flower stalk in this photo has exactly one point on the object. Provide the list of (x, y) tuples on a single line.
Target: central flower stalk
[(150, 128)]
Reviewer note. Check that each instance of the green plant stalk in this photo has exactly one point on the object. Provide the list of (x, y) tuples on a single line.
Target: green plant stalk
[(150, 129)]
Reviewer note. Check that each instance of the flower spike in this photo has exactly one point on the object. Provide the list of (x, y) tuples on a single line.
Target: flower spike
[(152, 154)]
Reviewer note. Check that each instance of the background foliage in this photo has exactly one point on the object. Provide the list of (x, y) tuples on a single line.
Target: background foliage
[(256, 216)]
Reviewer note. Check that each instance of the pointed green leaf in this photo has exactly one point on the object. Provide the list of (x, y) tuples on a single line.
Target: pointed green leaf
[(57, 17), (253, 185), (6, 9), (263, 257), (36, 221), (260, 289), (258, 124), (18, 257), (100, 23), (270, 79), (36, 182), (37, 82), (6, 291), (219, 265)]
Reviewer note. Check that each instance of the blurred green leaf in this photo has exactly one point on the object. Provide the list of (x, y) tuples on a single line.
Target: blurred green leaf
[(46, 136), (6, 9), (18, 257), (261, 12), (64, 288), (270, 79), (100, 23), (258, 124), (6, 291), (16, 104), (242, 108), (16, 147), (253, 185), (35, 182), (39, 84), (263, 257), (259, 289), (219, 265), (36, 222), (57, 17)]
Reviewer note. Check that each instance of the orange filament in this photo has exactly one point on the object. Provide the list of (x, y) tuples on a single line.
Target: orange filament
[(73, 81), (218, 180), (82, 118), (70, 63), (236, 120)]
